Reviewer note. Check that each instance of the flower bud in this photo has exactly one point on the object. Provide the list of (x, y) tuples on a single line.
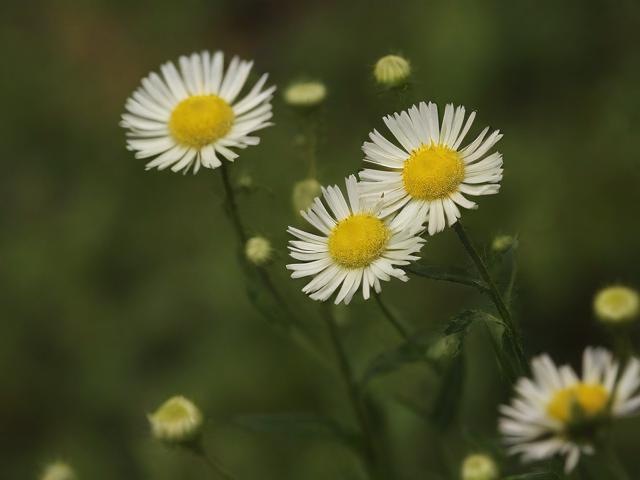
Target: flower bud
[(176, 421), (58, 471), (445, 348), (502, 243), (479, 467), (245, 183), (616, 304), (304, 193), (392, 71), (305, 94), (258, 250)]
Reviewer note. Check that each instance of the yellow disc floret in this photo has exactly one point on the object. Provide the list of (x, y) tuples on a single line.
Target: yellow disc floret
[(589, 400), (358, 240), (200, 120), (432, 172)]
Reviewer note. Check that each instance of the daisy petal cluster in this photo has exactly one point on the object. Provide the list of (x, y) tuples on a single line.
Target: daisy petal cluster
[(427, 177), (557, 412), (356, 247), (193, 116)]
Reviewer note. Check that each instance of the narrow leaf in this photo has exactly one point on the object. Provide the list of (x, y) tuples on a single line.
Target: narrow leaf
[(447, 274)]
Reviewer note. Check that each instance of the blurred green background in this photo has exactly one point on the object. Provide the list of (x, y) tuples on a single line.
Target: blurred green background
[(120, 287)]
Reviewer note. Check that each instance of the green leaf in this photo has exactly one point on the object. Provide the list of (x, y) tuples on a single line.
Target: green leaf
[(448, 274), (462, 321), (298, 425), (391, 360)]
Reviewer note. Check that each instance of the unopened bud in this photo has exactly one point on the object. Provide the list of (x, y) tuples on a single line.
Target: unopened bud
[(392, 71), (176, 421)]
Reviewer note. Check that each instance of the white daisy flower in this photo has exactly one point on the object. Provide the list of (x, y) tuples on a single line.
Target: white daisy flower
[(557, 412), (357, 246), (430, 175), (187, 118)]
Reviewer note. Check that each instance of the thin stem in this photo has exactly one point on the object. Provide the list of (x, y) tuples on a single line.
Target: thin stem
[(196, 447), (214, 466), (399, 327), (199, 451), (352, 390), (513, 335), (231, 204), (231, 207)]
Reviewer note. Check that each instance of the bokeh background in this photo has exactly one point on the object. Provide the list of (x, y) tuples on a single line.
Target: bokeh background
[(120, 287)]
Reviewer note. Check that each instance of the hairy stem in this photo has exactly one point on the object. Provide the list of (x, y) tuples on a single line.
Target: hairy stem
[(513, 337)]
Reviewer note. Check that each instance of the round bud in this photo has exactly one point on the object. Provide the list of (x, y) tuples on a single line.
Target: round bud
[(392, 71), (305, 94), (502, 243), (176, 421), (616, 304), (258, 250), (58, 471), (304, 192), (245, 182), (479, 467)]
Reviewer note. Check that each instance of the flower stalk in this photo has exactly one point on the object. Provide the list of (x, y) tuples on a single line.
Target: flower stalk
[(515, 349), (197, 448), (231, 208), (358, 406)]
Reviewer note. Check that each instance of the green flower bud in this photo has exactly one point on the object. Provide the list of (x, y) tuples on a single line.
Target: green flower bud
[(176, 421), (304, 193), (502, 243), (305, 94), (258, 250), (58, 471), (616, 304), (479, 467), (392, 71)]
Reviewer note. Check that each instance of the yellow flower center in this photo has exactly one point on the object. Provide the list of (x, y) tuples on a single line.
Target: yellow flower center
[(200, 120), (587, 399), (358, 240), (432, 172)]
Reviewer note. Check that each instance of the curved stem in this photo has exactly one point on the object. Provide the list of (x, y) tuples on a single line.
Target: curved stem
[(231, 208), (352, 390), (513, 335), (199, 451), (231, 205), (215, 467), (397, 325)]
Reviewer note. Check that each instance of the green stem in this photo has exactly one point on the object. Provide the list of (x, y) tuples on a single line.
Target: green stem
[(353, 392), (615, 465), (199, 451), (231, 208), (513, 336), (231, 204), (397, 325)]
